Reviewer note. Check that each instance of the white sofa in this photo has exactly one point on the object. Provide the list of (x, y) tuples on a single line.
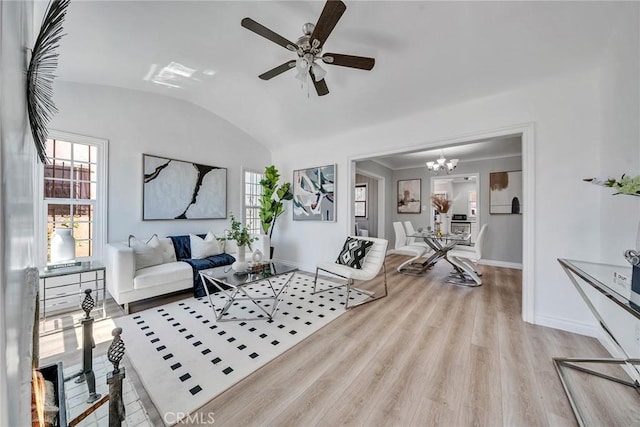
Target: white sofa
[(127, 285)]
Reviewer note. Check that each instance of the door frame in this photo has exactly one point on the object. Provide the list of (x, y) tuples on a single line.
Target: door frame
[(526, 132)]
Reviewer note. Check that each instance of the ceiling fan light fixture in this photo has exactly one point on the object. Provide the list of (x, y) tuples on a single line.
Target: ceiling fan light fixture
[(318, 72)]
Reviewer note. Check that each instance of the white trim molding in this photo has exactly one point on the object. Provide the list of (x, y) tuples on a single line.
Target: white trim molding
[(569, 325), (504, 264)]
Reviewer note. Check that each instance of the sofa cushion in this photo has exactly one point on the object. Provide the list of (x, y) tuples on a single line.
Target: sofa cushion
[(162, 274), (147, 253), (202, 248), (168, 252)]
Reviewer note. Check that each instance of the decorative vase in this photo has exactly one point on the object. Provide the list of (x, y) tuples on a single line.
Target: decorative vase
[(257, 256), (63, 245), (444, 226), (264, 245), (241, 263)]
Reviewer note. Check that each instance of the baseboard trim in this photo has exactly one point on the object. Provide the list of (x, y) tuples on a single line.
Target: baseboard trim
[(505, 264), (568, 325)]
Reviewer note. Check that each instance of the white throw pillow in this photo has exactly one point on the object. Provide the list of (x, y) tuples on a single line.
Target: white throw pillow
[(202, 248), (146, 254)]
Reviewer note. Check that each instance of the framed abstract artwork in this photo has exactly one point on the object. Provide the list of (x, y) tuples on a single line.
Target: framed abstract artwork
[(505, 192), (175, 189), (409, 191), (314, 194)]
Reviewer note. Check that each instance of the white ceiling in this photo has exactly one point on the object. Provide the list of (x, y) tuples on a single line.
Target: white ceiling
[(427, 54)]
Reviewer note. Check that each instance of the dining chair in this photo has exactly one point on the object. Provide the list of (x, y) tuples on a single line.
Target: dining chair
[(413, 241), (467, 260), (361, 259), (402, 248)]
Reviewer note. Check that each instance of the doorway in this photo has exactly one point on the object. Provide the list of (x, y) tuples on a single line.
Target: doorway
[(464, 192), (524, 134)]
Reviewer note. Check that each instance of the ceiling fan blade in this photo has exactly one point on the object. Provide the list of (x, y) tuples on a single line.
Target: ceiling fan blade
[(333, 10), (351, 61), (321, 86), (263, 31), (278, 70)]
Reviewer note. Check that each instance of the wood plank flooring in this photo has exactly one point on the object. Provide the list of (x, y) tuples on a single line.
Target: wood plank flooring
[(431, 353)]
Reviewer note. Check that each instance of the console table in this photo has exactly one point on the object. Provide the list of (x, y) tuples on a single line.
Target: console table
[(62, 289), (600, 277)]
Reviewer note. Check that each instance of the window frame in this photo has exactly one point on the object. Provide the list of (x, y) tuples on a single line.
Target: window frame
[(100, 218), (245, 207)]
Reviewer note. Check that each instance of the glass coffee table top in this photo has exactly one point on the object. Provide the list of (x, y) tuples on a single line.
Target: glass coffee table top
[(228, 276), (264, 287)]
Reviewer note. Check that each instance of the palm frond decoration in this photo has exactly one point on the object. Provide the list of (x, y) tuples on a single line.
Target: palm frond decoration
[(40, 75)]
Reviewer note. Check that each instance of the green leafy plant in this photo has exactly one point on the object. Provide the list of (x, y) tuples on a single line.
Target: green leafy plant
[(239, 233), (626, 184), (273, 196)]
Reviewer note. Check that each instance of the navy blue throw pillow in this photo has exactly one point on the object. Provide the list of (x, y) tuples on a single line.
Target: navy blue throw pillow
[(354, 252)]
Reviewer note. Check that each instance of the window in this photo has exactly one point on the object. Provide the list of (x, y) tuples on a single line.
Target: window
[(73, 193), (360, 207), (252, 193)]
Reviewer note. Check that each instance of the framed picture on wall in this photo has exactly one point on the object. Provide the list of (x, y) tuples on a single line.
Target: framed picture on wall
[(409, 193), (175, 189), (360, 201), (505, 192), (314, 194)]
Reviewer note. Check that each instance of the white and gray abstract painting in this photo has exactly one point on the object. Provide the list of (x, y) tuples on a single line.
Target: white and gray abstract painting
[(175, 189), (313, 194)]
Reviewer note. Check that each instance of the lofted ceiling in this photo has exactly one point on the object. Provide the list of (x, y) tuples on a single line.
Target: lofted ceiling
[(428, 54)]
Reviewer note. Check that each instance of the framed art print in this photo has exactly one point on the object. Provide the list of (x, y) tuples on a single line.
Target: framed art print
[(314, 194), (175, 189), (409, 191), (505, 195)]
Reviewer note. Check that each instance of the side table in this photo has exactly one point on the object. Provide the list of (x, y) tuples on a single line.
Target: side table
[(63, 289), (585, 275)]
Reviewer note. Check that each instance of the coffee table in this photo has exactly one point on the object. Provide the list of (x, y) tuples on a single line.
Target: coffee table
[(241, 286)]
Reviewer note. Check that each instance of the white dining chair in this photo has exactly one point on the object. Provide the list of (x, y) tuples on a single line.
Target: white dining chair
[(413, 241), (402, 248), (466, 260)]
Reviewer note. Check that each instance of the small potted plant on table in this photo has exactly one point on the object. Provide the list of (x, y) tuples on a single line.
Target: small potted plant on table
[(243, 239)]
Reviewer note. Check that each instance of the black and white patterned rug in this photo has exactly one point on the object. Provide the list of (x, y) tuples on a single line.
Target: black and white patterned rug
[(185, 358)]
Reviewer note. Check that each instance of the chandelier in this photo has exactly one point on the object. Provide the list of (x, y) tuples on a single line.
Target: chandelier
[(442, 165)]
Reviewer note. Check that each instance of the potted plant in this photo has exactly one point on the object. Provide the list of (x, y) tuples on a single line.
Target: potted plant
[(243, 239), (271, 202)]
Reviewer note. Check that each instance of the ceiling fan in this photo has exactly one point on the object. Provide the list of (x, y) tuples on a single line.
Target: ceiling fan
[(309, 48)]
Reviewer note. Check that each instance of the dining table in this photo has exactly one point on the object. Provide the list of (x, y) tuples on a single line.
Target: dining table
[(440, 244)]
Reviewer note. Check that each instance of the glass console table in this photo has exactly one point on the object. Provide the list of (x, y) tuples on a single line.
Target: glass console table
[(585, 275)]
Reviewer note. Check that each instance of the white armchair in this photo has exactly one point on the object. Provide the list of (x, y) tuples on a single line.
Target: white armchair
[(370, 267)]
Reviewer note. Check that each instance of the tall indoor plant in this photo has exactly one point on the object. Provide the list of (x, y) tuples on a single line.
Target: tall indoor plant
[(272, 200)]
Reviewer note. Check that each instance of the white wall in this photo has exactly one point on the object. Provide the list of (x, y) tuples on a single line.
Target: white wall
[(620, 148), (619, 153), (566, 113), (17, 156), (136, 123)]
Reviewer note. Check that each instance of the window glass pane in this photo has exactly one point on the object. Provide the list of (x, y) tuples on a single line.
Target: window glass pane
[(57, 189), (80, 153), (82, 190), (83, 248), (58, 169), (61, 149), (83, 212), (48, 148), (59, 213), (93, 153), (84, 171)]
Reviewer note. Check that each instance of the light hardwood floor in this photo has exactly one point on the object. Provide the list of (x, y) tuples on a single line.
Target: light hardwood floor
[(431, 353)]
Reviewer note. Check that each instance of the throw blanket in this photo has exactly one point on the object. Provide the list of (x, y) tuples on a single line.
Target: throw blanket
[(182, 246)]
